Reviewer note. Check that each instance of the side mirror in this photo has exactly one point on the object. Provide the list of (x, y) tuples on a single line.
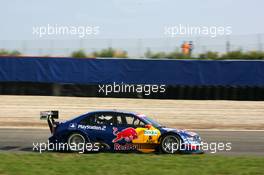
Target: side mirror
[(148, 126)]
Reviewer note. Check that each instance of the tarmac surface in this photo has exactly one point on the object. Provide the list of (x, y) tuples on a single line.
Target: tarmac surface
[(241, 142)]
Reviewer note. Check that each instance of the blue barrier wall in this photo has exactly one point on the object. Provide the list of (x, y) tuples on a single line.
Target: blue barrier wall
[(105, 71)]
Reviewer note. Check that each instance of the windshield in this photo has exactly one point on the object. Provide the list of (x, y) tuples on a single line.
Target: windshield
[(152, 122)]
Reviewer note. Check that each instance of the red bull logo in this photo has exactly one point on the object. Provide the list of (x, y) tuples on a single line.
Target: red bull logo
[(128, 134)]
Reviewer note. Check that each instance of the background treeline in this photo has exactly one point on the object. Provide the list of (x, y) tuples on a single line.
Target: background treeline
[(109, 52), (4, 52), (117, 53), (250, 55)]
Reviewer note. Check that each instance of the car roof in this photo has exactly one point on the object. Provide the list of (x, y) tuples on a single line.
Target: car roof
[(117, 111), (113, 110)]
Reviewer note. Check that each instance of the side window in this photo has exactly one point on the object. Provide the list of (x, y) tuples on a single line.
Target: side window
[(88, 120), (139, 123), (133, 121), (104, 119), (130, 119), (120, 120), (98, 119)]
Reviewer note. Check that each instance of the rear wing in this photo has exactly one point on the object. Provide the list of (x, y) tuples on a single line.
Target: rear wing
[(44, 115), (50, 116)]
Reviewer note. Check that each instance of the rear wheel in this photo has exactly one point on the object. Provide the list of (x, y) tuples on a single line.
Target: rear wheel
[(170, 144), (76, 142)]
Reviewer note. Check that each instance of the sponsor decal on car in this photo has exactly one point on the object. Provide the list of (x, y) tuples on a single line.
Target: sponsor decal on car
[(72, 125), (128, 134), (85, 127), (125, 147), (150, 132)]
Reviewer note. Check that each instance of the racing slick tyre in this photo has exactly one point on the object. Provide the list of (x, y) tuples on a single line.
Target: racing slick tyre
[(76, 142), (170, 144)]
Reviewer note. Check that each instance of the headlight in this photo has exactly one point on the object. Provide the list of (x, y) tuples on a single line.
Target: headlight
[(194, 139), (190, 139)]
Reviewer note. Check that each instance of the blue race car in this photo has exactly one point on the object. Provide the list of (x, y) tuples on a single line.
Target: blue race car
[(118, 131)]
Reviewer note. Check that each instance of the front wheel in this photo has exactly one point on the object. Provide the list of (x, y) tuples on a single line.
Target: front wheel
[(170, 144)]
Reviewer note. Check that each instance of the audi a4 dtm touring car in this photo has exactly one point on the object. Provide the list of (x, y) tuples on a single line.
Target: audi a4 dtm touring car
[(118, 131)]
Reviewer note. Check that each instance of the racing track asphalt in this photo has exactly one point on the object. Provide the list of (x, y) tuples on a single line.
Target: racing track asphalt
[(242, 142)]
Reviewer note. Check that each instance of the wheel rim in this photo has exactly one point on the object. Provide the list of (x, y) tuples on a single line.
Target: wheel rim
[(76, 142), (170, 144)]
